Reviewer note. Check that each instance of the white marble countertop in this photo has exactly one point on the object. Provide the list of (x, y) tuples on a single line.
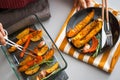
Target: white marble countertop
[(76, 70)]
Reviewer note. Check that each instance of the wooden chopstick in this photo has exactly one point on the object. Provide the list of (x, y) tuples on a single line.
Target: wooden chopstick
[(105, 8)]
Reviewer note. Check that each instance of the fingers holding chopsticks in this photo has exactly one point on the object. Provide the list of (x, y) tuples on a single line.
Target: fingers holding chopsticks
[(81, 4), (2, 34)]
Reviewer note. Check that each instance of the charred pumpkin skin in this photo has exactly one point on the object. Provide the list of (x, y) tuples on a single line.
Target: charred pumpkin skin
[(23, 33), (72, 32), (43, 50), (36, 35), (85, 30), (32, 71), (49, 54), (53, 68), (27, 59), (79, 43)]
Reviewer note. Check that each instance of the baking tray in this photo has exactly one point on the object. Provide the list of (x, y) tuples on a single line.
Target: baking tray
[(14, 59)]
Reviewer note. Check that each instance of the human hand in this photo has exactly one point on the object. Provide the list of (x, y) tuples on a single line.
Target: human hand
[(2, 34), (81, 4)]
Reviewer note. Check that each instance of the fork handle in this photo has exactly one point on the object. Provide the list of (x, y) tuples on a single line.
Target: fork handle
[(107, 15), (103, 6)]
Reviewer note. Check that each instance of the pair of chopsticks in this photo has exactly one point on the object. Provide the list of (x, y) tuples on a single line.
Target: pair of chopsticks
[(19, 47), (108, 33)]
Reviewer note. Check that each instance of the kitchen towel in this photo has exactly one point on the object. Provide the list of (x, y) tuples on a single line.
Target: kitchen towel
[(105, 61), (9, 17)]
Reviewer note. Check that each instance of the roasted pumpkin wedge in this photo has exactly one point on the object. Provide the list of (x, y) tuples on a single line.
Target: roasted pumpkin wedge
[(36, 35), (49, 54), (32, 70), (23, 68), (42, 51), (72, 32), (53, 68), (85, 30), (79, 43), (31, 63), (23, 33), (27, 59)]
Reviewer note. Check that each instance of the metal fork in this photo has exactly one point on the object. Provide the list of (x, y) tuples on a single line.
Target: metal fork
[(106, 32)]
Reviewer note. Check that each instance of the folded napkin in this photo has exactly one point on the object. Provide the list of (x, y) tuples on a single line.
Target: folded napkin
[(105, 61)]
